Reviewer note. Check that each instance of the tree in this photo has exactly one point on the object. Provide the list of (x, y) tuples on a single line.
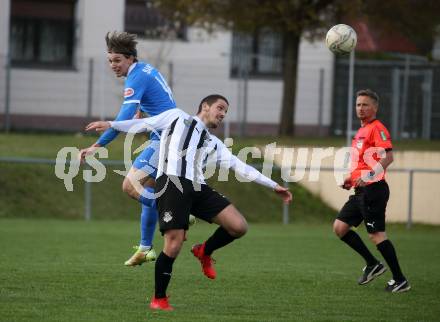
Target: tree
[(295, 18), (415, 19)]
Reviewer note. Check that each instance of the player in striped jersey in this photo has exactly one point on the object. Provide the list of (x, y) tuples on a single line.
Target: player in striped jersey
[(186, 145)]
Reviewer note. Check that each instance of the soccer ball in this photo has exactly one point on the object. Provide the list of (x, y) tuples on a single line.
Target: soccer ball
[(341, 39)]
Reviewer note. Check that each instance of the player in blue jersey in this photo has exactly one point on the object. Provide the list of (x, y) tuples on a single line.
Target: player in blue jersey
[(146, 91)]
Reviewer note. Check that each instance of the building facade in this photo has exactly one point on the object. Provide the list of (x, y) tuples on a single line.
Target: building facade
[(58, 77)]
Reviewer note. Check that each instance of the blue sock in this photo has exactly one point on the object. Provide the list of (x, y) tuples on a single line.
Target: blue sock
[(147, 197), (148, 225)]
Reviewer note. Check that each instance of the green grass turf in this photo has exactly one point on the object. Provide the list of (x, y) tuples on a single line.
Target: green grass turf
[(29, 190), (33, 191), (54, 270)]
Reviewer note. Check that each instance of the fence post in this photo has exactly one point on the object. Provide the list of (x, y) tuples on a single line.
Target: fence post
[(350, 98), (87, 194), (404, 105), (395, 104), (320, 101), (171, 75), (285, 207), (90, 88), (410, 190), (245, 100), (7, 120)]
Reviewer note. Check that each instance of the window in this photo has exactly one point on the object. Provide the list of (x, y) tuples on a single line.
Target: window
[(143, 19), (41, 33), (259, 54)]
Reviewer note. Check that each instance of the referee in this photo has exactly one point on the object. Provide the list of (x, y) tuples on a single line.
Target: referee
[(371, 145), (186, 147)]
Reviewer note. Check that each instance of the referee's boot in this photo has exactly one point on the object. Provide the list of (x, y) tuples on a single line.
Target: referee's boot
[(371, 272), (397, 287), (141, 256), (205, 260)]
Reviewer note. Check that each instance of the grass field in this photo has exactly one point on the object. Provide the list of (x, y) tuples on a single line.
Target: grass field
[(33, 190), (71, 270), (61, 270), (47, 145), (30, 190)]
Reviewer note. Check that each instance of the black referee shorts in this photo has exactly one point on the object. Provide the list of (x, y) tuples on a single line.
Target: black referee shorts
[(368, 204), (179, 197)]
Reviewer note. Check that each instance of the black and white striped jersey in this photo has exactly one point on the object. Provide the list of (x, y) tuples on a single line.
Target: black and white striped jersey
[(186, 146)]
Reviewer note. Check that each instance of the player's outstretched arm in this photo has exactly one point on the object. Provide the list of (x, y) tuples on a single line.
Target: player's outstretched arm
[(87, 151), (227, 159), (126, 112), (158, 122), (98, 126), (256, 176), (284, 193)]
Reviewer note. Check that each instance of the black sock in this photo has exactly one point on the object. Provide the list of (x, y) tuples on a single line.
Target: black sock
[(162, 274), (354, 241), (218, 239), (388, 252)]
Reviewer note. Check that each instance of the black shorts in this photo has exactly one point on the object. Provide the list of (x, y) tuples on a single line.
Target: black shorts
[(179, 197), (368, 204)]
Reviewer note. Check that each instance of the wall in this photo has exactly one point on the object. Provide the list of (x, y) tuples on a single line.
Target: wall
[(65, 92), (313, 58), (426, 204), (199, 66)]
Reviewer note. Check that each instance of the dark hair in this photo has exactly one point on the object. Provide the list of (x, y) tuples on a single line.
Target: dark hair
[(211, 99), (368, 92), (121, 43)]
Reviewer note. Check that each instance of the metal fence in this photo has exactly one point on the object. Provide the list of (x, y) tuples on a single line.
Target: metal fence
[(66, 99), (409, 91), (285, 217), (59, 98)]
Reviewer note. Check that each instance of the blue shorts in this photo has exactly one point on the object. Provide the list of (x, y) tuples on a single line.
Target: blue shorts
[(148, 160)]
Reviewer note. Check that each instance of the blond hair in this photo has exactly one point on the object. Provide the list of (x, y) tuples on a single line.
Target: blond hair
[(371, 94)]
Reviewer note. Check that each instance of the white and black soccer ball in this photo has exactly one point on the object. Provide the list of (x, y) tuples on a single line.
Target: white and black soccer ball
[(341, 39)]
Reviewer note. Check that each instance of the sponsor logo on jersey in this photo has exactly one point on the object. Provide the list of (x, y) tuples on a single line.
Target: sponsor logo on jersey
[(128, 92), (187, 122), (383, 136)]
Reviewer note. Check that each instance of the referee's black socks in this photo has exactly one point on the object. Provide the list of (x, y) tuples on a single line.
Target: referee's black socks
[(218, 239), (162, 274), (353, 240), (388, 252)]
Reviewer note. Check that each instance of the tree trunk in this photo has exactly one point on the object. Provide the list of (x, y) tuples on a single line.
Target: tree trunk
[(290, 63)]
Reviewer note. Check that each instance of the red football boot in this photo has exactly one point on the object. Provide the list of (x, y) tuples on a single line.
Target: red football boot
[(160, 304), (206, 261)]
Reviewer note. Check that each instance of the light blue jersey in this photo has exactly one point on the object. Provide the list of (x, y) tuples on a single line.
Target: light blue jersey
[(145, 88)]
